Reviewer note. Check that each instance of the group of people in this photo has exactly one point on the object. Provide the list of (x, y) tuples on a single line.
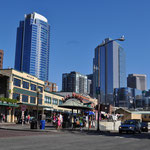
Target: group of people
[(58, 120), (83, 121)]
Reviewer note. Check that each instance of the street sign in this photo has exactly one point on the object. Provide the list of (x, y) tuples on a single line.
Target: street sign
[(23, 107)]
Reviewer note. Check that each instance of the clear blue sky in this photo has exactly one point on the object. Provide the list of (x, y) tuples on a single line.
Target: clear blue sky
[(77, 27)]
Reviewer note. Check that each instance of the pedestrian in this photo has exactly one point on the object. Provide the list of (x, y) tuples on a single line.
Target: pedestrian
[(61, 119), (81, 122), (28, 119), (54, 119), (3, 118), (58, 122), (89, 121)]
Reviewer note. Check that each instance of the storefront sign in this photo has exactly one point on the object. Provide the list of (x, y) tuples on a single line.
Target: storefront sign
[(23, 107)]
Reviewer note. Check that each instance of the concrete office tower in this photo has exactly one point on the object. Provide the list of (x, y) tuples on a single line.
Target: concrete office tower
[(137, 81), (74, 82), (109, 65), (32, 46), (1, 58)]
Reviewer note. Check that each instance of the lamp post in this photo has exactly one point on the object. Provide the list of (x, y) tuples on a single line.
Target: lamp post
[(37, 106), (99, 94)]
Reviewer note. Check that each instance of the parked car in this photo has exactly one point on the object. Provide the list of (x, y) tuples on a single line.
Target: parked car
[(130, 126), (144, 126)]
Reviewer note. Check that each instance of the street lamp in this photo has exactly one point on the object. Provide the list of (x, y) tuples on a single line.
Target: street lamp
[(37, 106), (99, 95)]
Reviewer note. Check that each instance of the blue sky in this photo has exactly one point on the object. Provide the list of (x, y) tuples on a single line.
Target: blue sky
[(77, 27)]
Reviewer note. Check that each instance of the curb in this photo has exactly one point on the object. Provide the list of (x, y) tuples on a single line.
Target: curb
[(28, 130)]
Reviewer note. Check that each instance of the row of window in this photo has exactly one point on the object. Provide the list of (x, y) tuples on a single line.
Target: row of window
[(54, 100), (33, 87), (33, 99), (25, 98)]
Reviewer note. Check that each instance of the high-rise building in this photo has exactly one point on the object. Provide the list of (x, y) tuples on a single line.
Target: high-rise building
[(32, 46), (108, 70), (90, 84), (74, 82), (1, 58), (137, 81)]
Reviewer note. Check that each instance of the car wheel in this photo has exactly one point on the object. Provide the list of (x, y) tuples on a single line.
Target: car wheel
[(120, 132), (140, 131)]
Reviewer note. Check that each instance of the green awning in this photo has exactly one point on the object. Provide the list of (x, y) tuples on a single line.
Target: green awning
[(42, 106), (9, 105)]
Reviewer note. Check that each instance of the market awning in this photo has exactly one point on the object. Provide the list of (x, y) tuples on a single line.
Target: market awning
[(74, 104)]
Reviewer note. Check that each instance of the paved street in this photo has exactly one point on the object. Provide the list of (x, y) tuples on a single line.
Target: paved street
[(16, 140)]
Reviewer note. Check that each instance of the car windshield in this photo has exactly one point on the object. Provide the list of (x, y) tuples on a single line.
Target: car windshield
[(129, 122)]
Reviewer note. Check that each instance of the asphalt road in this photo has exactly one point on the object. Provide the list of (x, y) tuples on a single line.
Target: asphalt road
[(19, 140)]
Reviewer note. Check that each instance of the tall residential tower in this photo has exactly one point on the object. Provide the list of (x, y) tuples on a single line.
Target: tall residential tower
[(32, 46), (108, 69)]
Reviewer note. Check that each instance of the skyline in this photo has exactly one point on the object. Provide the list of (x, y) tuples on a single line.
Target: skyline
[(76, 31)]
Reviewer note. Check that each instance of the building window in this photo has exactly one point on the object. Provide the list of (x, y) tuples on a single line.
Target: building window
[(60, 102), (41, 88), (25, 85), (33, 87), (16, 96), (55, 101), (24, 98), (40, 101), (17, 82), (47, 100), (32, 100)]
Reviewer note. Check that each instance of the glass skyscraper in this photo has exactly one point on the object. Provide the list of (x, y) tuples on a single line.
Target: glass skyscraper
[(109, 65), (32, 46)]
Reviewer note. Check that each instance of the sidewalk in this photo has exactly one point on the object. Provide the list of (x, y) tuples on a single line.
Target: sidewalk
[(48, 128)]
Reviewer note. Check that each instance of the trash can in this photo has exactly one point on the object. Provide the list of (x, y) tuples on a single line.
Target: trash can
[(33, 124), (42, 124)]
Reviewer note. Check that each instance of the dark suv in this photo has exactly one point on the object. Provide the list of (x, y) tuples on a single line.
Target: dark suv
[(130, 126)]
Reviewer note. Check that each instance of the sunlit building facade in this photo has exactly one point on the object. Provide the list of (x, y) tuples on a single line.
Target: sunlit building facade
[(109, 65), (32, 46)]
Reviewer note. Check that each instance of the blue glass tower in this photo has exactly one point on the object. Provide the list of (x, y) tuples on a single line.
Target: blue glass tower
[(32, 46), (109, 65)]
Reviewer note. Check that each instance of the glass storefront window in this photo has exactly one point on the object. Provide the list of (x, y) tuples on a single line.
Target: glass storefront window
[(32, 100), (24, 98), (17, 82), (33, 87), (16, 96), (47, 100), (55, 101), (40, 101), (41, 88), (25, 85), (60, 102)]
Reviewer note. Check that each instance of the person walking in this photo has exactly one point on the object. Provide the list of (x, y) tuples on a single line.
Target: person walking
[(58, 122), (81, 122), (61, 119)]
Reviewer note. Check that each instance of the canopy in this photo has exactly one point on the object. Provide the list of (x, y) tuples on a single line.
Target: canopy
[(74, 103)]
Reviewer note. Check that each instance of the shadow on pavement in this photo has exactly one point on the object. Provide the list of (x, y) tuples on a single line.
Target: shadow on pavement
[(143, 135)]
